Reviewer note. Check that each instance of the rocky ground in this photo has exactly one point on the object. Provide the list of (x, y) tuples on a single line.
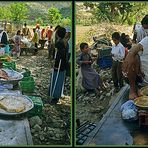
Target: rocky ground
[(53, 127), (91, 106)]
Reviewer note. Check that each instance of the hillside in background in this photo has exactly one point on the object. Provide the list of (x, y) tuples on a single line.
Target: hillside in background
[(39, 9), (64, 7)]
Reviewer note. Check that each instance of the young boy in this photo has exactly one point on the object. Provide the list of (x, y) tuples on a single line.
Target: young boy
[(118, 54), (90, 78)]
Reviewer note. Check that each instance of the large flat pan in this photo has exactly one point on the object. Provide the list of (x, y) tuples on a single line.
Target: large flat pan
[(144, 91), (26, 100), (141, 102), (14, 77)]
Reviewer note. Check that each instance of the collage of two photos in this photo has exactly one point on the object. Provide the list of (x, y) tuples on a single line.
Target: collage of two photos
[(101, 46), (111, 44)]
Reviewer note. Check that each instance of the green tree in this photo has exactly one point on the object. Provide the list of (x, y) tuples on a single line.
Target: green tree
[(4, 16), (39, 21), (65, 22), (54, 15), (5, 13), (122, 12), (18, 12)]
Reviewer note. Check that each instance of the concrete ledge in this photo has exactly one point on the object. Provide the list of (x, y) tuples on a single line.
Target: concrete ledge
[(110, 121), (15, 132)]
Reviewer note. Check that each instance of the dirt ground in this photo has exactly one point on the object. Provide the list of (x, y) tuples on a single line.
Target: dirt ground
[(89, 106), (56, 119)]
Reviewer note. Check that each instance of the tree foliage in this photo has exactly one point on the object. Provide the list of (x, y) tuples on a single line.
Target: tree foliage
[(88, 4), (5, 14), (122, 12), (30, 12), (18, 12), (65, 12), (54, 15), (65, 21)]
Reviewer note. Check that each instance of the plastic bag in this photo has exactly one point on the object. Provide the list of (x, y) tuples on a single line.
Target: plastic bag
[(129, 111), (2, 51), (129, 105)]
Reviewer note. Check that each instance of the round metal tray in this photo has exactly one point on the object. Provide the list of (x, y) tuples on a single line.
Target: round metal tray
[(141, 102), (144, 91), (12, 74), (27, 101)]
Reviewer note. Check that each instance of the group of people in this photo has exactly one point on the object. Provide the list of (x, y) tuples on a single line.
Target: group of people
[(24, 37), (127, 62)]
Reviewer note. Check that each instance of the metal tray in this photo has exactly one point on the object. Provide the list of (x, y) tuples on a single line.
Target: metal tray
[(144, 91), (14, 76), (27, 101), (141, 102)]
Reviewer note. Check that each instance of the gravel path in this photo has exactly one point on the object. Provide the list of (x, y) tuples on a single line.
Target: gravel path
[(53, 127)]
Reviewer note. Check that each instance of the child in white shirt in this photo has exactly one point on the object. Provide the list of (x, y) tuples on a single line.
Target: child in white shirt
[(118, 54)]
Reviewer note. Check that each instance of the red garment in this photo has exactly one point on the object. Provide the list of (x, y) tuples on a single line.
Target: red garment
[(49, 34), (43, 34)]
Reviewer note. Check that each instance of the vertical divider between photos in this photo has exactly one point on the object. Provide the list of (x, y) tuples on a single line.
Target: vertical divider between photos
[(73, 76)]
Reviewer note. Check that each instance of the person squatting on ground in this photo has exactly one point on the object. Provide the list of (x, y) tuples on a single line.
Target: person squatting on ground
[(136, 68), (4, 41), (118, 54), (90, 78), (57, 85)]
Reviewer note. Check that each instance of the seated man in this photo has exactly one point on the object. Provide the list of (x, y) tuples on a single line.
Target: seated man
[(26, 45), (135, 66), (25, 41)]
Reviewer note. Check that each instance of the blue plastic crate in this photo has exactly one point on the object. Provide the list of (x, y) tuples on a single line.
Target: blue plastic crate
[(104, 52), (104, 62)]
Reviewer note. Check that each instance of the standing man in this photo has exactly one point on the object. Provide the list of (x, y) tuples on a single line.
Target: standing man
[(25, 31)]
